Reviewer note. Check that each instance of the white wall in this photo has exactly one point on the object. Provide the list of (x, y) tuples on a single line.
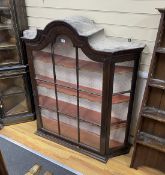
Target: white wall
[(135, 19)]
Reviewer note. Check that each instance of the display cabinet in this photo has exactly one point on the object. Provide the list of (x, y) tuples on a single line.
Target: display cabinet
[(15, 89), (83, 84)]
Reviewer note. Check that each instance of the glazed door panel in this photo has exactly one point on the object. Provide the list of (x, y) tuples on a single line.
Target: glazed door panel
[(69, 86), (120, 103), (9, 52), (14, 97)]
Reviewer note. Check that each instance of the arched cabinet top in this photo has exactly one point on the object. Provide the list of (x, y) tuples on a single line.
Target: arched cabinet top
[(84, 34)]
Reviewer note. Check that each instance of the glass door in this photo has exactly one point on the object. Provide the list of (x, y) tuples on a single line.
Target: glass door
[(14, 98), (9, 54), (69, 86), (120, 103)]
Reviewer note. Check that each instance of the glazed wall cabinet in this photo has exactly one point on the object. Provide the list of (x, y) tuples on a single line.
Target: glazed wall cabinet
[(84, 86), (15, 88)]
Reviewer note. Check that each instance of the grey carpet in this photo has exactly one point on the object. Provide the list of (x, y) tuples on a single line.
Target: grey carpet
[(20, 159)]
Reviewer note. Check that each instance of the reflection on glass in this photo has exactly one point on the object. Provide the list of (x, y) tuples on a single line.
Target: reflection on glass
[(67, 107), (123, 76), (65, 67), (90, 118), (90, 123), (68, 127), (8, 56), (90, 100), (11, 85), (46, 93), (117, 136), (46, 88), (65, 59), (7, 37), (49, 120), (120, 103), (43, 65), (118, 120), (4, 3), (90, 74), (15, 104), (8, 48)]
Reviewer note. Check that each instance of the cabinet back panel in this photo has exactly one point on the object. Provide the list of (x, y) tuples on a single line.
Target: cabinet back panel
[(162, 103), (149, 157), (154, 97), (153, 127), (159, 72), (162, 43)]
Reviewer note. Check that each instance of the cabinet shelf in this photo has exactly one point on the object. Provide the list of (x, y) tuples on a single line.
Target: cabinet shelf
[(4, 8), (5, 27), (157, 83), (7, 46), (154, 114), (69, 62), (9, 63), (5, 12), (160, 50), (11, 91), (151, 141), (50, 81), (86, 137), (90, 116), (20, 107), (96, 96)]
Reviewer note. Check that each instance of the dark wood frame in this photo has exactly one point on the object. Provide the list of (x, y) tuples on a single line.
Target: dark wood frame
[(48, 35), (145, 154), (17, 7), (26, 116)]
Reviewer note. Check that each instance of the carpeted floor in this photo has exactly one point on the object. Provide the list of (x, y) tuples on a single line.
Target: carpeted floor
[(20, 159)]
